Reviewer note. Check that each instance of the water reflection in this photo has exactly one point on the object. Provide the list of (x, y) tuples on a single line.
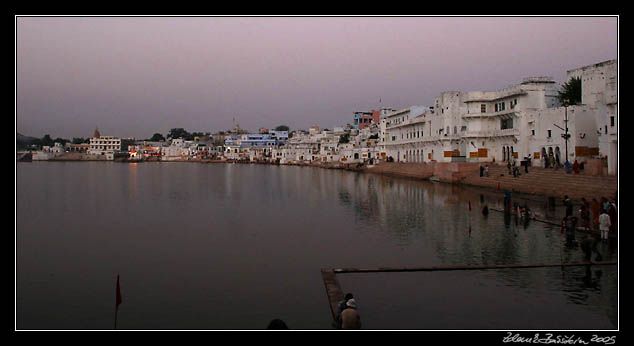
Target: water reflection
[(230, 242), (438, 216)]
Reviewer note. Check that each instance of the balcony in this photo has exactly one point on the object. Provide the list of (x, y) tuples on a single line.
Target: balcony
[(506, 114), (492, 133)]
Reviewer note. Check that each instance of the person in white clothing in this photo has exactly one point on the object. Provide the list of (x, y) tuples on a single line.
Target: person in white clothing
[(604, 224)]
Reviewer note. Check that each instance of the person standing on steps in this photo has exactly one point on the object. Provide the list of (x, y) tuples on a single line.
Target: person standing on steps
[(612, 213), (584, 213), (570, 225), (596, 210), (604, 225), (568, 205)]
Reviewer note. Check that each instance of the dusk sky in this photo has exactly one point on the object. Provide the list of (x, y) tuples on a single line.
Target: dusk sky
[(135, 76)]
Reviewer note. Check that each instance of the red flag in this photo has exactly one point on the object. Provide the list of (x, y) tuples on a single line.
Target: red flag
[(118, 292)]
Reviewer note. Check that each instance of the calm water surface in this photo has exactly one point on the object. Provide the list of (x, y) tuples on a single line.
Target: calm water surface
[(216, 246)]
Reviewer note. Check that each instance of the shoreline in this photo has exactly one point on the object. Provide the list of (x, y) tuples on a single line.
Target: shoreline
[(540, 183)]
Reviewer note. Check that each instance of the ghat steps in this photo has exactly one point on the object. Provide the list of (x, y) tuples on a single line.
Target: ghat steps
[(547, 181)]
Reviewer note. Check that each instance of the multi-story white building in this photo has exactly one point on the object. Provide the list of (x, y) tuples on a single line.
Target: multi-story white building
[(496, 125), (473, 126), (253, 146), (398, 132), (524, 120), (104, 145), (599, 93)]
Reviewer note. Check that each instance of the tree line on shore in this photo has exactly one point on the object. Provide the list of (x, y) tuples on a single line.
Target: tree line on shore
[(26, 142)]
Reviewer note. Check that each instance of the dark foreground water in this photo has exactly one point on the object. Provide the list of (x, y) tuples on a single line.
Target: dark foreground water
[(215, 246)]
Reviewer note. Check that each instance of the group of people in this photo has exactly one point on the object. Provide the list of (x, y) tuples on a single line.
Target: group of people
[(514, 169), (598, 217), (550, 161)]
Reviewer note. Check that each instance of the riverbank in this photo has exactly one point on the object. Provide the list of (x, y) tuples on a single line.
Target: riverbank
[(538, 182)]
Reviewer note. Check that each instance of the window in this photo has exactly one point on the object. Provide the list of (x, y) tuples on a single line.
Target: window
[(612, 121), (550, 133), (506, 124), (532, 132), (496, 107), (483, 108)]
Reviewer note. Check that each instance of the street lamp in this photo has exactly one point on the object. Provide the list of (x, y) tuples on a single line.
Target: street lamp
[(566, 135)]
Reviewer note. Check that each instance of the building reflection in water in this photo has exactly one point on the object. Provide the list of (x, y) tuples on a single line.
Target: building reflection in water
[(438, 216)]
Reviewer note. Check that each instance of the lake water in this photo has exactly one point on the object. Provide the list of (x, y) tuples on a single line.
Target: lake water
[(221, 246)]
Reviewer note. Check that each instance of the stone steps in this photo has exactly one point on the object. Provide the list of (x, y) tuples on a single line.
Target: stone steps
[(547, 182)]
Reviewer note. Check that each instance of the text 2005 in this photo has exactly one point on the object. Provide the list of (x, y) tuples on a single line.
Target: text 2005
[(606, 340)]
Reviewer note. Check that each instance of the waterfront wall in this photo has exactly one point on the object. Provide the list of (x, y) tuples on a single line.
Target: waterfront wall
[(544, 182), (447, 172)]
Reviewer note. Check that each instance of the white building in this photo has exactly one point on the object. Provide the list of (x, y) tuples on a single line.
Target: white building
[(599, 93), (176, 151), (474, 126), (496, 122), (399, 131), (104, 145)]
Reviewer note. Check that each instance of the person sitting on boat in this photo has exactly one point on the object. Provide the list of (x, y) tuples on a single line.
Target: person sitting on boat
[(350, 318), (342, 306)]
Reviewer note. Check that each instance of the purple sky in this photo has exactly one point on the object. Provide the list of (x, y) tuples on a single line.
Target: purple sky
[(134, 76)]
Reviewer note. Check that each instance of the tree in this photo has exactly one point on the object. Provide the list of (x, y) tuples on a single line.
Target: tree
[(179, 133), (157, 137), (47, 140), (61, 140), (282, 128), (344, 138), (79, 140), (571, 92)]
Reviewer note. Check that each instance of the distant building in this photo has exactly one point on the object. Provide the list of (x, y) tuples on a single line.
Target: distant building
[(363, 119), (104, 145), (253, 146)]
